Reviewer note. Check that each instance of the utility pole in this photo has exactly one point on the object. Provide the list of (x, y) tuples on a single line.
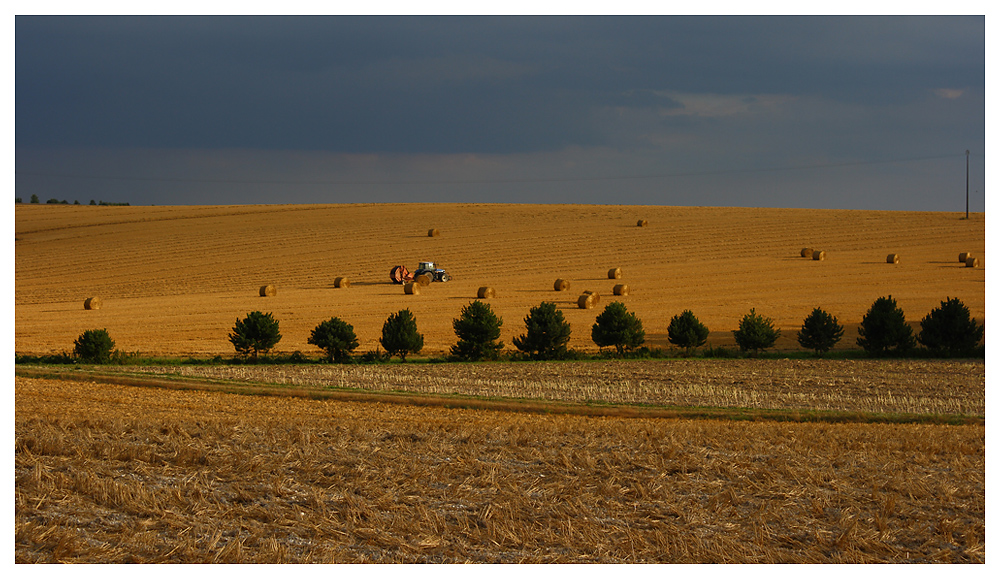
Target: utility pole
[(966, 183)]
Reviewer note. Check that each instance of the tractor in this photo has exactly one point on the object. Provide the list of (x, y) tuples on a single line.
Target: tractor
[(399, 273)]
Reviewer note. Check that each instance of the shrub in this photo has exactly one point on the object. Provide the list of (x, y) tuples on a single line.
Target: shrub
[(61, 358), (720, 352), (255, 333), (685, 331), (478, 330), (950, 330), (547, 333), (884, 330), (399, 335), (34, 198), (618, 327), (94, 346), (375, 357), (335, 337), (756, 333), (820, 331)]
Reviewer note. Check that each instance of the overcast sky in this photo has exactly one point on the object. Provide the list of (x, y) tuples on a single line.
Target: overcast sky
[(825, 112)]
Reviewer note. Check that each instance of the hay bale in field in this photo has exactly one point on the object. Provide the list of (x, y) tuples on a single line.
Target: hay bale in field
[(561, 285), (806, 252), (411, 288), (642, 223), (964, 256), (433, 233), (423, 279), (588, 300), (972, 262), (486, 292), (92, 304), (621, 289), (819, 255), (341, 282), (615, 273), (267, 291), (892, 258)]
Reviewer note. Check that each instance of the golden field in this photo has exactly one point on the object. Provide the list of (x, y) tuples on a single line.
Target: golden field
[(173, 280), (106, 473)]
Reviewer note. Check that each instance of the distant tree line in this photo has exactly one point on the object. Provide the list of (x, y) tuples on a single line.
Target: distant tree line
[(54, 201)]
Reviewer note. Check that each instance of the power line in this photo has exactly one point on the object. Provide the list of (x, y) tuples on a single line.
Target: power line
[(482, 181)]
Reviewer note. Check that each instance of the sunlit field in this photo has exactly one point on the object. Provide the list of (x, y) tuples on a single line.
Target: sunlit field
[(791, 459), (173, 280), (107, 473)]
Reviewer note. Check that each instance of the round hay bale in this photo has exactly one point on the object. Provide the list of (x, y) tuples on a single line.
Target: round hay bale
[(964, 256), (819, 255), (341, 282), (486, 292), (423, 279), (561, 285), (411, 288), (615, 273), (972, 262), (642, 223), (621, 289), (892, 258), (586, 301), (806, 252), (433, 233), (267, 291), (596, 296), (92, 304)]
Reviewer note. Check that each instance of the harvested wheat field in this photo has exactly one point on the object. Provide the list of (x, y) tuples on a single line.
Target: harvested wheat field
[(110, 473), (173, 280)]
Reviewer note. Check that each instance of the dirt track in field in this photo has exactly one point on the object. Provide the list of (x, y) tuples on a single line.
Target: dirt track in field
[(173, 280)]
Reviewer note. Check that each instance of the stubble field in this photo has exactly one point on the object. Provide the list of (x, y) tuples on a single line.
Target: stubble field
[(109, 473), (113, 473)]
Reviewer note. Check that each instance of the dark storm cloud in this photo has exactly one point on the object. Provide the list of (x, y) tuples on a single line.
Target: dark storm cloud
[(445, 85), (659, 110)]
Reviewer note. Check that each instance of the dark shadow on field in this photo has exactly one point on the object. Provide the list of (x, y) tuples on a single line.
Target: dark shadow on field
[(902, 262), (358, 284), (474, 298)]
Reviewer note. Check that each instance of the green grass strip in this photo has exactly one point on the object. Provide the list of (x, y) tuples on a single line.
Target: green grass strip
[(500, 404)]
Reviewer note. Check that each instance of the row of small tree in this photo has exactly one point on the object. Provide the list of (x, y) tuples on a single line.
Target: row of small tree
[(947, 330), (259, 332)]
